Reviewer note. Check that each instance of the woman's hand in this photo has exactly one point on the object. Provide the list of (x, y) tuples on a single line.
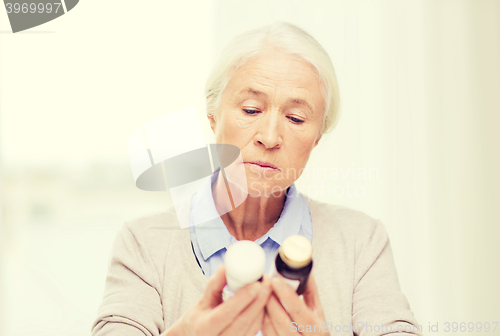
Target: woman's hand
[(241, 315), (307, 311)]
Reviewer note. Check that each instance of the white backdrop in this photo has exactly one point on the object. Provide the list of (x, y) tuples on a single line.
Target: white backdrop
[(416, 146)]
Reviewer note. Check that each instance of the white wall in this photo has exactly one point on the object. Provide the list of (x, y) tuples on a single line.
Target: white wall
[(418, 82), (71, 93)]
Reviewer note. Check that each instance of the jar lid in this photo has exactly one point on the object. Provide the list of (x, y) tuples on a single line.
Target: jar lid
[(245, 261), (296, 251)]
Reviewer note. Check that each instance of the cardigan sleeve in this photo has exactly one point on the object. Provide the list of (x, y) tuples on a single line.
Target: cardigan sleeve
[(379, 306), (131, 304)]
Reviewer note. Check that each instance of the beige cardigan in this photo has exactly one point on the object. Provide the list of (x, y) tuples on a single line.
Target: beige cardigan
[(153, 276)]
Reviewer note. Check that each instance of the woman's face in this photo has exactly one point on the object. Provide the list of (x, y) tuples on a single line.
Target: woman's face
[(272, 109)]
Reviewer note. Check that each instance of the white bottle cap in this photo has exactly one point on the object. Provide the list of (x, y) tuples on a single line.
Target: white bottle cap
[(296, 251), (245, 263)]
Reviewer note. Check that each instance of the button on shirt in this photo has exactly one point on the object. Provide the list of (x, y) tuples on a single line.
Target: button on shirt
[(211, 238)]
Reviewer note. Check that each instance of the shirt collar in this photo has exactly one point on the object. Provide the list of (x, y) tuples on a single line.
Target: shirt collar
[(212, 234)]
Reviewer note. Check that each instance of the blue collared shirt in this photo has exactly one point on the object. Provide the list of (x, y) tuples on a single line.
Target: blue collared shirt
[(211, 238)]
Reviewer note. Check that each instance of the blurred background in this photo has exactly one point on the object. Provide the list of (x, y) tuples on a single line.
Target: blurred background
[(416, 145)]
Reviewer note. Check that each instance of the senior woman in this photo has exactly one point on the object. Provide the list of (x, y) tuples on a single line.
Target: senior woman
[(273, 94)]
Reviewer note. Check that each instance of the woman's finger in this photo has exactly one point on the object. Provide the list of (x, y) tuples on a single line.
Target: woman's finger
[(278, 316), (256, 326), (294, 306), (224, 314), (213, 293), (250, 320), (267, 326), (258, 323), (311, 297)]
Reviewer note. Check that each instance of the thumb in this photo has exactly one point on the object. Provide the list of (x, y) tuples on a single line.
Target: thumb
[(311, 297), (213, 293)]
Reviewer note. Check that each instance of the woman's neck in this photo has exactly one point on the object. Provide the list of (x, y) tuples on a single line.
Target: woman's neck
[(253, 218)]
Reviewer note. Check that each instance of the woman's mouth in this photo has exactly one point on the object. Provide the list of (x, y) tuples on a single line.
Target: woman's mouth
[(262, 165)]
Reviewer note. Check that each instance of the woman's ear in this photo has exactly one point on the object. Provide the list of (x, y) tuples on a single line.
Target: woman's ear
[(317, 141), (211, 119)]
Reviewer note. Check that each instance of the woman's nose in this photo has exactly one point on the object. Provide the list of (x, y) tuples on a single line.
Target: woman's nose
[(269, 131)]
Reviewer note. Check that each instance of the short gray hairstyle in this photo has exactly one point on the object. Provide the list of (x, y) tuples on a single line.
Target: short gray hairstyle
[(284, 37)]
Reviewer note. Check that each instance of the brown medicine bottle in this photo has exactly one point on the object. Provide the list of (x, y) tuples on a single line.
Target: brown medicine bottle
[(294, 262)]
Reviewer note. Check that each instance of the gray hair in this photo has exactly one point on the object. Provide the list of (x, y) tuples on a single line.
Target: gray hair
[(287, 38)]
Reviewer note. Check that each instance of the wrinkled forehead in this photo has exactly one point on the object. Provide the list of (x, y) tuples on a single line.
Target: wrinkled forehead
[(277, 75)]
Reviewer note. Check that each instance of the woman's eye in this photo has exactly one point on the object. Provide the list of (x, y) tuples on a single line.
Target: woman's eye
[(250, 111), (296, 120)]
